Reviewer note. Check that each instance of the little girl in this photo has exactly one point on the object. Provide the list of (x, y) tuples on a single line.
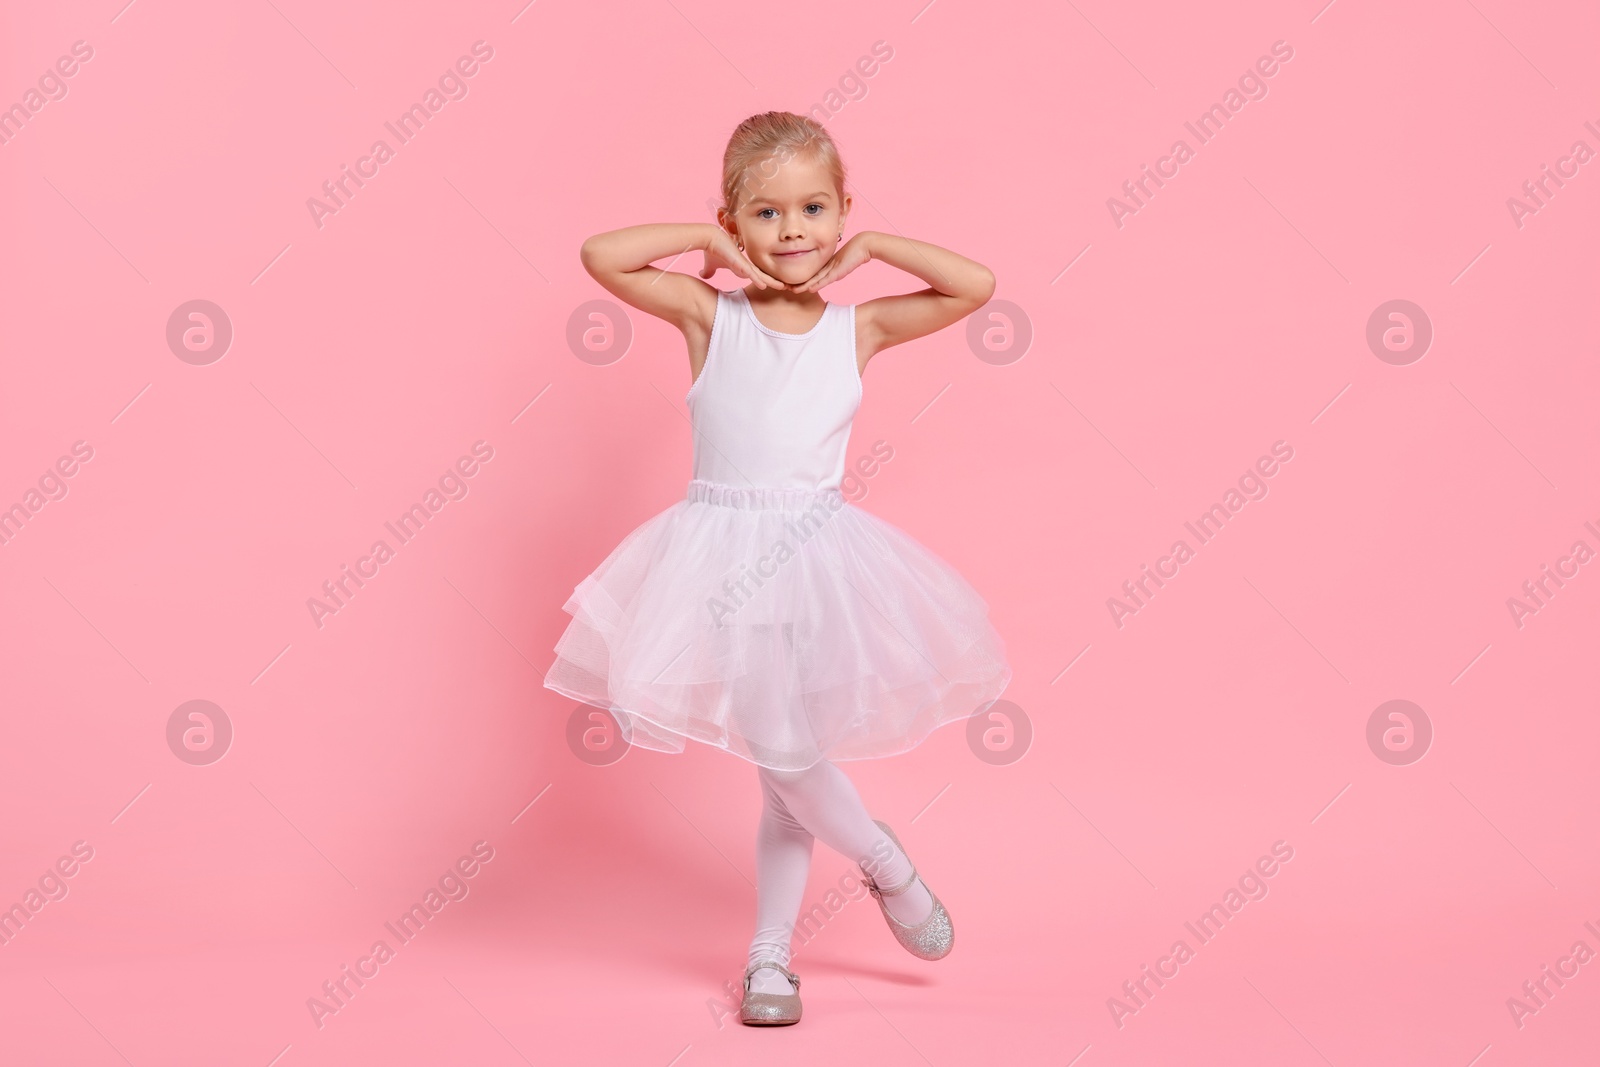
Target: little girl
[(764, 614)]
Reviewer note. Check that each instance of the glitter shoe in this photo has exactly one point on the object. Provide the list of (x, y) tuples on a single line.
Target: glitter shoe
[(770, 1009), (933, 937)]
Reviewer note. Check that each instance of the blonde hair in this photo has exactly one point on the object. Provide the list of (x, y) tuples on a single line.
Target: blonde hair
[(769, 140)]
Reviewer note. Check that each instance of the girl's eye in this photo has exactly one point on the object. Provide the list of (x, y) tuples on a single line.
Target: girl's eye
[(762, 214)]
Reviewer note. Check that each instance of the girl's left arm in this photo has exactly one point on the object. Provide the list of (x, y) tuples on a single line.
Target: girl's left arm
[(958, 286)]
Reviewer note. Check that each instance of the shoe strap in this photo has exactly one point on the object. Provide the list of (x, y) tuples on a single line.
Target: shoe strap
[(875, 890), (767, 961)]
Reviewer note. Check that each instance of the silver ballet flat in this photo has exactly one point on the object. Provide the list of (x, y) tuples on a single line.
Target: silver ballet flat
[(933, 937), (770, 1009)]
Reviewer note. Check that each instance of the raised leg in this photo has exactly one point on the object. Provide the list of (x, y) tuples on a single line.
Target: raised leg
[(824, 801)]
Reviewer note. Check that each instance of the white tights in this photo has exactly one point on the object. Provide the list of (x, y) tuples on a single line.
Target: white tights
[(800, 807)]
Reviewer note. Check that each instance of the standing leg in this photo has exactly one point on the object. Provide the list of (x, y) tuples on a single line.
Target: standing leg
[(825, 802), (783, 860)]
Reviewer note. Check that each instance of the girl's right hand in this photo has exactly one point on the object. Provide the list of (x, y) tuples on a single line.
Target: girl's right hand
[(723, 254)]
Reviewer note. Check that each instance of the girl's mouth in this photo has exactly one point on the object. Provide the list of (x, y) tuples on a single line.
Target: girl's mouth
[(788, 255)]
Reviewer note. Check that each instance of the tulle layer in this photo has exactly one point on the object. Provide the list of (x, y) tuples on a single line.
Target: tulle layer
[(783, 625)]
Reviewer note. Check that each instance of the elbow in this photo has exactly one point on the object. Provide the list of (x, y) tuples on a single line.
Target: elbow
[(985, 287), (588, 255)]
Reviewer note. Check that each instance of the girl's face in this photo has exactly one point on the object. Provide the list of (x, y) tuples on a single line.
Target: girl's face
[(789, 219)]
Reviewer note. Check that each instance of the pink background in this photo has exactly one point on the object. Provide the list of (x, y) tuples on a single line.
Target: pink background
[(432, 312)]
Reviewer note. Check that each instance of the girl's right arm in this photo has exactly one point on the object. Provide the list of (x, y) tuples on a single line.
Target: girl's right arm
[(620, 261)]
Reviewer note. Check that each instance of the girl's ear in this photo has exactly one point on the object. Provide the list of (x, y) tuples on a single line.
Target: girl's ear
[(726, 221)]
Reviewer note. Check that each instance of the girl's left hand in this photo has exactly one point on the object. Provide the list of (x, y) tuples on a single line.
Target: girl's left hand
[(851, 255)]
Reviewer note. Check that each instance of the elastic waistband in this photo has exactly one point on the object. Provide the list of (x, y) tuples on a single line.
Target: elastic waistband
[(762, 497)]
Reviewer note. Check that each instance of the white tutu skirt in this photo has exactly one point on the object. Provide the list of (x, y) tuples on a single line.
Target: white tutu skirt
[(784, 625)]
